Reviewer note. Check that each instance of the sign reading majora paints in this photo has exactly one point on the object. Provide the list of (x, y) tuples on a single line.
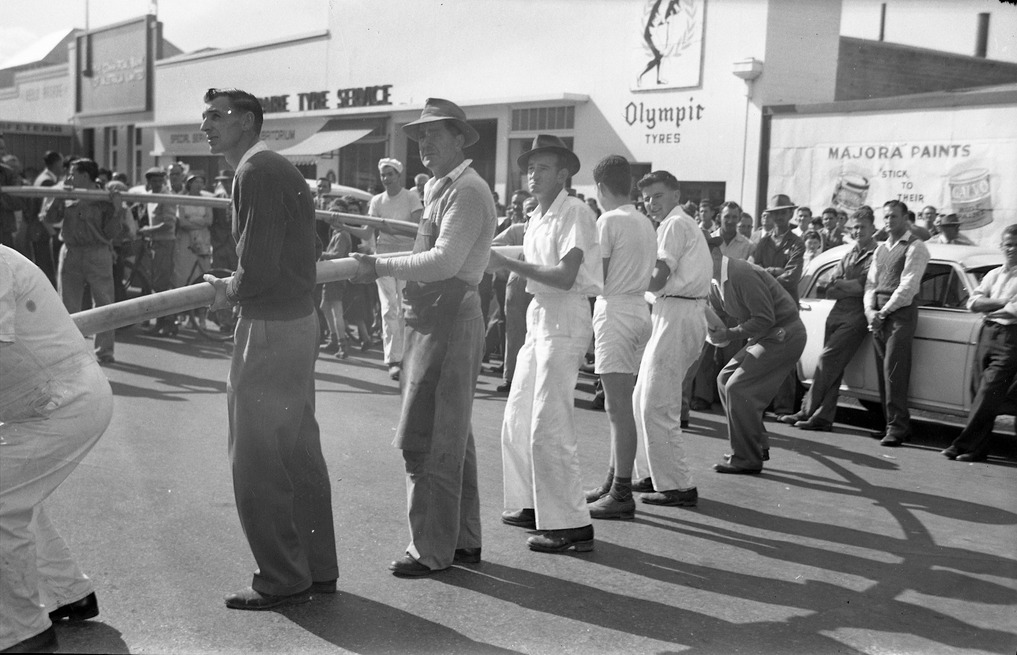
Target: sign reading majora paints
[(668, 51), (972, 178)]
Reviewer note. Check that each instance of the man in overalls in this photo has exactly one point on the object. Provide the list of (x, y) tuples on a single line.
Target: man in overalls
[(444, 343)]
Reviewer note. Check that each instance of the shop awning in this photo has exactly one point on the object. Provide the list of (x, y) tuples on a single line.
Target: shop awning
[(277, 133), (320, 143)]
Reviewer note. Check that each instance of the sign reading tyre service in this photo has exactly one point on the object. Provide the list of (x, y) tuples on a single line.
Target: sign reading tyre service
[(945, 158)]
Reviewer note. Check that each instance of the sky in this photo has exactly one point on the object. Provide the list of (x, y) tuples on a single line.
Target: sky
[(948, 25)]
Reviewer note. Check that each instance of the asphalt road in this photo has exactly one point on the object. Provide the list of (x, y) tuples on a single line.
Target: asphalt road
[(839, 547)]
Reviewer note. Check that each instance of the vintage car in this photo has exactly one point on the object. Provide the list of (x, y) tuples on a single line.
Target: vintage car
[(946, 366)]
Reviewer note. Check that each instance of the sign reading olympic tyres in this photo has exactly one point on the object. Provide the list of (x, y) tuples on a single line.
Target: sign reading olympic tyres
[(114, 68)]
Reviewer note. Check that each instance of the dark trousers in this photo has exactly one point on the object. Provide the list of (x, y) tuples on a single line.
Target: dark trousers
[(999, 384), (844, 333), (279, 475), (892, 345), (162, 272), (748, 383)]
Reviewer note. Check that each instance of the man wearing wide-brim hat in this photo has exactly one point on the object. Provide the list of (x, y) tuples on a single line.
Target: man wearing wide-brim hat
[(563, 267), (782, 254), (949, 231), (444, 343)]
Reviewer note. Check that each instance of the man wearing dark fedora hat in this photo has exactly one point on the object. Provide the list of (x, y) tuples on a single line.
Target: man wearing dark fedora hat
[(444, 343), (949, 231), (781, 253), (563, 267)]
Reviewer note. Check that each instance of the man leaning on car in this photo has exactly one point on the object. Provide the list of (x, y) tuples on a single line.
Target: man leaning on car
[(996, 299), (891, 309)]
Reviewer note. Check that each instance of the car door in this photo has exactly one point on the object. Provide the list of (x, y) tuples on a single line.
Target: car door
[(945, 340), (814, 308)]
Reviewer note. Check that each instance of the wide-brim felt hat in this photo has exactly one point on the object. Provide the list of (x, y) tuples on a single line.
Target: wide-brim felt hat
[(550, 143), (439, 109), (155, 171), (948, 219), (780, 202), (224, 174)]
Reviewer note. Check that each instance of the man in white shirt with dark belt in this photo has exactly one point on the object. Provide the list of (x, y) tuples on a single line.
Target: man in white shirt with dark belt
[(681, 282), (563, 267)]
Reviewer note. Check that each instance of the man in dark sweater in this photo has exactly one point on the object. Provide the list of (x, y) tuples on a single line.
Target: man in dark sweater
[(767, 316), (279, 475)]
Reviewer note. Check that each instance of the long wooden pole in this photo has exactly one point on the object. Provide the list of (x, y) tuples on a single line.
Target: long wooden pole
[(183, 299), (404, 228)]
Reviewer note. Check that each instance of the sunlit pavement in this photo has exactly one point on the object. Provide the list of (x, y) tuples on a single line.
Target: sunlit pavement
[(840, 546)]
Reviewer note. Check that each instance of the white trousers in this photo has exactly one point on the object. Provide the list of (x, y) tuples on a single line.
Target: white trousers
[(390, 296), (46, 433), (540, 456), (679, 329)]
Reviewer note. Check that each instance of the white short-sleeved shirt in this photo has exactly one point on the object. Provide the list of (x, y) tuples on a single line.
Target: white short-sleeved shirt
[(682, 246), (568, 223), (399, 207), (627, 237)]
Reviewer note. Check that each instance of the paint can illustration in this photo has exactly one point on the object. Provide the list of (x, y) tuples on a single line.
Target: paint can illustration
[(850, 192), (971, 196)]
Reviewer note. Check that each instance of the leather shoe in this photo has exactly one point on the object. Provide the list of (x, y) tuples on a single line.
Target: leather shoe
[(766, 455), (672, 498), (971, 457), (684, 424), (727, 468), (521, 518), (79, 610), (44, 642), (699, 405), (593, 495), (504, 387), (950, 453), (559, 541), (816, 425), (467, 556), (407, 567), (609, 507), (249, 599), (644, 486), (891, 441), (323, 587), (791, 419)]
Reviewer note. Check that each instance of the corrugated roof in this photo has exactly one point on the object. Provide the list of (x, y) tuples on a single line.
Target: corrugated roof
[(37, 51)]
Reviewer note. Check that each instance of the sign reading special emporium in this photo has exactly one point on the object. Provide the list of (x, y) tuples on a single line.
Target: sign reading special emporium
[(114, 68)]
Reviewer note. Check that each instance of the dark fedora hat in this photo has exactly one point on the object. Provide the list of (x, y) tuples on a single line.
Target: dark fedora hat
[(779, 202), (550, 143), (224, 174), (155, 171), (439, 109)]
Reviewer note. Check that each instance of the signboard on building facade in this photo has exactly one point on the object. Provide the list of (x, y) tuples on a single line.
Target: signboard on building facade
[(668, 53), (114, 68), (956, 169)]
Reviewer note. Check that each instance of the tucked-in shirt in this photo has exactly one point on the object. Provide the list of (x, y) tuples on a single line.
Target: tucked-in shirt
[(737, 248), (627, 238), (916, 258), (164, 214), (399, 207), (999, 283), (681, 245), (463, 207), (568, 223), (86, 223)]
